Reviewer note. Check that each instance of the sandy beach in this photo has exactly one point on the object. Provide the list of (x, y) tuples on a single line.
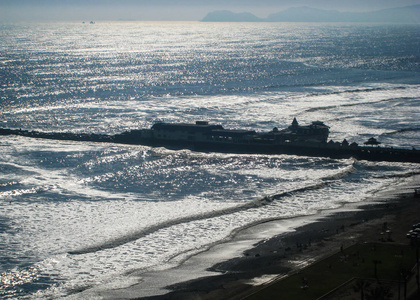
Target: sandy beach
[(274, 258)]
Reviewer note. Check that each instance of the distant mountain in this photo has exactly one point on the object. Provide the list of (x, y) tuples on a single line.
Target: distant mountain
[(228, 16), (408, 14)]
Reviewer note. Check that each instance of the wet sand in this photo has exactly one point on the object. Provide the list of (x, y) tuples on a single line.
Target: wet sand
[(262, 256), (271, 259)]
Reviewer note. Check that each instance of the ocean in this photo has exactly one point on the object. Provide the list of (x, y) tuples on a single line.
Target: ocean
[(82, 216)]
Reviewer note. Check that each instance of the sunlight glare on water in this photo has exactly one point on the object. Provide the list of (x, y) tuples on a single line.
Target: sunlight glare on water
[(81, 215)]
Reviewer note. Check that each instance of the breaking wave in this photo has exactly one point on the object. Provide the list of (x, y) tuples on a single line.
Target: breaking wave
[(212, 214), (402, 130), (146, 231)]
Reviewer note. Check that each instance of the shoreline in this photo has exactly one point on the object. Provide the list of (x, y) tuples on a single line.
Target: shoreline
[(304, 240)]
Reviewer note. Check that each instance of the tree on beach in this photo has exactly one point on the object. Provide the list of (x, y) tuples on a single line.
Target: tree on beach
[(375, 263), (360, 286)]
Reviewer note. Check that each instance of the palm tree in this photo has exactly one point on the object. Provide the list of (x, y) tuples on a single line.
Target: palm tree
[(360, 286), (380, 292)]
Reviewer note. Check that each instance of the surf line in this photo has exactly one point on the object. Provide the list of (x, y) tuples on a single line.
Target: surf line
[(149, 230), (325, 181)]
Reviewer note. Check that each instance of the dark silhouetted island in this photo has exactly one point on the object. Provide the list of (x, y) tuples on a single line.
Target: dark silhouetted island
[(403, 15), (308, 140)]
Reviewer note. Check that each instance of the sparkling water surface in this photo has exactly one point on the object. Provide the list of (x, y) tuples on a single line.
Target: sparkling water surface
[(77, 215)]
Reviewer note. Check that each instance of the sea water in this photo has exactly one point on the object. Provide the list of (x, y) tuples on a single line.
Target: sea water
[(80, 215)]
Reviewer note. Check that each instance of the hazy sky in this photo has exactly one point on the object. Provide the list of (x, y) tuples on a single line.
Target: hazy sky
[(19, 10)]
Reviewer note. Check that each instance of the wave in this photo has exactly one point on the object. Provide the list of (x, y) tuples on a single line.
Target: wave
[(20, 192), (321, 108), (400, 175), (10, 183), (109, 244), (410, 129), (343, 172), (366, 90), (146, 231), (314, 109)]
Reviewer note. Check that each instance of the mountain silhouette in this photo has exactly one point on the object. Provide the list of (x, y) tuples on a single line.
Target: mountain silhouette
[(407, 14)]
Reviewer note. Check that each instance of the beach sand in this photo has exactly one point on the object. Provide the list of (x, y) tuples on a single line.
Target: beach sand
[(280, 255)]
